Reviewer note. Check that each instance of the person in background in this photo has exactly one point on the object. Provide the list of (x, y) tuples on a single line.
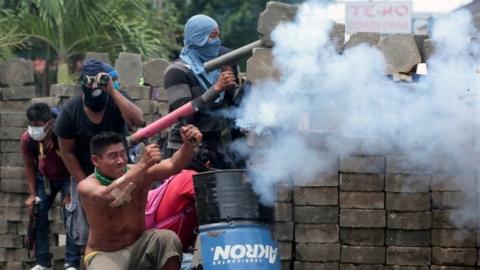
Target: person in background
[(46, 176), (100, 107), (114, 199), (186, 80)]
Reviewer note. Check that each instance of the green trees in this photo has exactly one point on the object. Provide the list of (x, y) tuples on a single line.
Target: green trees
[(70, 27)]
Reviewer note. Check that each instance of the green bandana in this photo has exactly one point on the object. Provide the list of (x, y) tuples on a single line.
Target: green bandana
[(103, 179)]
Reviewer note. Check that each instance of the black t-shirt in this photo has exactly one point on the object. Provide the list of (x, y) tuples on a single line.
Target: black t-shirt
[(73, 123)]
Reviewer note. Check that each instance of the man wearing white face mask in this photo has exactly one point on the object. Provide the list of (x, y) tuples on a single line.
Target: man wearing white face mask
[(186, 79), (46, 176)]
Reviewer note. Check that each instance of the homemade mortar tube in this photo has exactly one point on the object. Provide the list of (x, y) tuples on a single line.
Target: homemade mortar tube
[(231, 56)]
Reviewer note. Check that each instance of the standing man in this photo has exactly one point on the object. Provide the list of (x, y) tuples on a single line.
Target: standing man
[(46, 177), (186, 79), (114, 198), (101, 106)]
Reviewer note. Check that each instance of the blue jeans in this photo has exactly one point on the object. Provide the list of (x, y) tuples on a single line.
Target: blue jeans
[(42, 253)]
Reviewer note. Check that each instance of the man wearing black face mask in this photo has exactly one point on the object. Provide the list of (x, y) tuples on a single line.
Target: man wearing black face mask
[(100, 107)]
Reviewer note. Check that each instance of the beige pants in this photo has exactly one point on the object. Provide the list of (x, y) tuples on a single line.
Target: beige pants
[(150, 251)]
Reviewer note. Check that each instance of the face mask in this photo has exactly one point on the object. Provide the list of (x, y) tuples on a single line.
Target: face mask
[(37, 133), (95, 99), (210, 49)]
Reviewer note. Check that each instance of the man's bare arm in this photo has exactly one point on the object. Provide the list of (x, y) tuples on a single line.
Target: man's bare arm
[(67, 150)]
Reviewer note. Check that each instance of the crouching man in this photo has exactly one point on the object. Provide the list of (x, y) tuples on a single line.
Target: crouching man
[(114, 199)]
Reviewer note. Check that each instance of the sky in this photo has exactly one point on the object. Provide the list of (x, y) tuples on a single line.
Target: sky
[(419, 6)]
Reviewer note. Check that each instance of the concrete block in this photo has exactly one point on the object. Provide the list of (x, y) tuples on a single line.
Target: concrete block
[(408, 238), (147, 106), (10, 199), (409, 255), (324, 179), (11, 159), (274, 14), (283, 231), (408, 202), (11, 133), (153, 72), (285, 250), (439, 267), (316, 252), (316, 214), (13, 186), (11, 241), (362, 200), (17, 213), (404, 267), (409, 220), (451, 219), (353, 218), (400, 52), (362, 164), (428, 49), (50, 101), (65, 90), (363, 255), (130, 68), (14, 266), (284, 192), (315, 196), (316, 233), (260, 66), (419, 41), (414, 164), (337, 36), (454, 256), (453, 200), (362, 182), (345, 266), (22, 255), (13, 120), (283, 212), (362, 237), (99, 56), (16, 72), (138, 92), (460, 238), (14, 107), (163, 108), (19, 93), (395, 182), (453, 182), (10, 146), (159, 94), (369, 38), (315, 266), (3, 226)]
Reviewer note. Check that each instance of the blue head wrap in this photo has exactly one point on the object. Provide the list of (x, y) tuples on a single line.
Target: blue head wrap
[(198, 49), (113, 73), (92, 68)]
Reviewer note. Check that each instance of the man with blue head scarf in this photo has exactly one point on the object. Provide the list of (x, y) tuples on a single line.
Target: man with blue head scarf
[(187, 80), (101, 106)]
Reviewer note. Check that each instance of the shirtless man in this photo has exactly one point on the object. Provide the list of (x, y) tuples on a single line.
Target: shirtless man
[(114, 199)]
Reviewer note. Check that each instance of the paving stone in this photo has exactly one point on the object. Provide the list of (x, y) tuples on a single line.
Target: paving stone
[(285, 250), (453, 238), (337, 36), (354, 218), (395, 182), (324, 179), (409, 220), (283, 231), (11, 159), (316, 214), (284, 192), (283, 212), (408, 255), (10, 146), (438, 267), (13, 120), (363, 255), (65, 90), (408, 202), (14, 107), (362, 164), (316, 233), (428, 49), (16, 72), (450, 219), (274, 14), (11, 241), (13, 186), (130, 68), (315, 266), (315, 196), (50, 101), (408, 238), (362, 237), (345, 266), (369, 38), (362, 182), (147, 106), (362, 200), (19, 93), (453, 182), (138, 92), (260, 66), (11, 133), (403, 267), (414, 164), (400, 52), (316, 252), (454, 256), (453, 200), (153, 72)]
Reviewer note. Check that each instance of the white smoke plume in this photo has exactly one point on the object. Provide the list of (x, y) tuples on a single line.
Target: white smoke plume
[(350, 96)]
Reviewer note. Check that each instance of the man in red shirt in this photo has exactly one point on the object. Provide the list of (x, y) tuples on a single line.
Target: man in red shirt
[(176, 209), (46, 176)]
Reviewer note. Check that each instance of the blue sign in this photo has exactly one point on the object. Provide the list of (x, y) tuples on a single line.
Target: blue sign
[(232, 246)]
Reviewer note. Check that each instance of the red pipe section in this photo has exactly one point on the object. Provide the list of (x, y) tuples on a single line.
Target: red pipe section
[(162, 123)]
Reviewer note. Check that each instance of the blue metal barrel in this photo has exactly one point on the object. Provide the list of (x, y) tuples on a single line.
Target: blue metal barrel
[(238, 245)]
